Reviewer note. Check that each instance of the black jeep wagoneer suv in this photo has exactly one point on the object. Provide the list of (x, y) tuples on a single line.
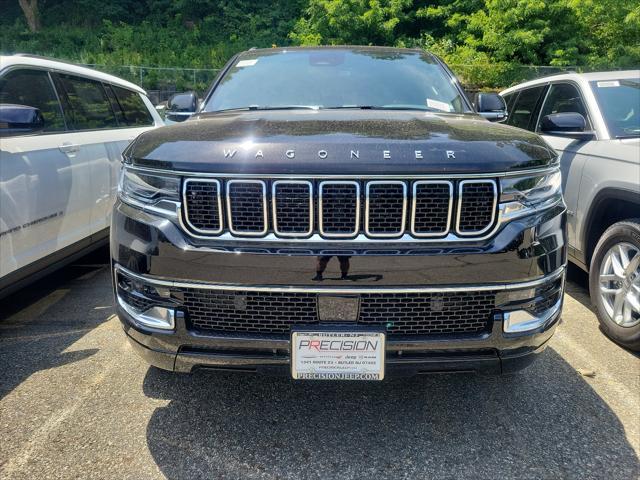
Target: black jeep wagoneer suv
[(339, 213)]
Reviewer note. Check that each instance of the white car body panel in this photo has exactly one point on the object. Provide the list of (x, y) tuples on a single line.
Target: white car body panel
[(591, 166), (50, 199)]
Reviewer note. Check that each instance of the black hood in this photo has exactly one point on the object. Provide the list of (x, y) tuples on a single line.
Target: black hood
[(339, 142)]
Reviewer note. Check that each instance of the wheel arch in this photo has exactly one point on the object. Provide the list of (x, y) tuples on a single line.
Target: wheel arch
[(609, 206)]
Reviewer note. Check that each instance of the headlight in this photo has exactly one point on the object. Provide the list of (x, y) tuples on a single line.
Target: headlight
[(522, 195), (159, 193)]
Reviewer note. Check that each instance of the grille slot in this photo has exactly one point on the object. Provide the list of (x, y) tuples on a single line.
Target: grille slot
[(476, 206), (432, 205), (401, 313), (247, 207), (339, 208), (203, 205), (386, 209), (292, 208)]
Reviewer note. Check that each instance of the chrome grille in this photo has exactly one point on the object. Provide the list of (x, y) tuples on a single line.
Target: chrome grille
[(334, 208), (247, 207), (339, 208), (476, 206), (432, 205), (202, 198), (292, 208), (276, 312), (385, 212)]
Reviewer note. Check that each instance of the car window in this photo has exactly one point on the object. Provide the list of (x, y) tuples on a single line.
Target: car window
[(563, 98), (33, 88), (619, 102), (524, 108), (115, 105), (508, 100), (134, 110), (90, 107)]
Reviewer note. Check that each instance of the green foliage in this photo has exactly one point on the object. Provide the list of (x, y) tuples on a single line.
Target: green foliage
[(489, 43), (350, 22)]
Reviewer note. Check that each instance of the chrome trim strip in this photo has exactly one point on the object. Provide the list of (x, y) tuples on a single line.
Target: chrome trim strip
[(186, 205), (528, 322), (413, 208), (274, 209), (461, 200), (260, 233), (391, 176), (404, 209), (344, 290), (357, 221)]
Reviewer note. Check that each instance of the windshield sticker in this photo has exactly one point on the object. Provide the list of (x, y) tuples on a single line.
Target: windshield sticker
[(247, 63), (610, 83), (445, 107)]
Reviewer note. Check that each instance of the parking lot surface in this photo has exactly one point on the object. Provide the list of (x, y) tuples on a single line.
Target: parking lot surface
[(76, 402)]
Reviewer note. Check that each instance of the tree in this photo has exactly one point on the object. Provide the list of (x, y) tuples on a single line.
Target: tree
[(354, 22), (31, 13)]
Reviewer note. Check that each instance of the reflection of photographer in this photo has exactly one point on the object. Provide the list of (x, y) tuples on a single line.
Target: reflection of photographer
[(321, 266)]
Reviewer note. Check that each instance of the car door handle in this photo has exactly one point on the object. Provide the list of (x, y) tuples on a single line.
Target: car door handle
[(69, 147)]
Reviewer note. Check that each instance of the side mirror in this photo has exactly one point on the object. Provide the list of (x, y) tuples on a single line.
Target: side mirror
[(491, 106), (181, 106), (16, 119), (570, 124)]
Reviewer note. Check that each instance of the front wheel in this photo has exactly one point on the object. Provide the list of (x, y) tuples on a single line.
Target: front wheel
[(614, 282)]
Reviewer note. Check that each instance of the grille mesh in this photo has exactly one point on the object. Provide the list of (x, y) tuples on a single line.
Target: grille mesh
[(476, 206), (386, 208), (292, 210), (246, 205), (202, 205), (401, 313), (339, 208), (431, 208), (428, 314)]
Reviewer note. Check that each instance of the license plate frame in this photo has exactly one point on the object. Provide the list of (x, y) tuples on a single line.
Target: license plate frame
[(331, 361)]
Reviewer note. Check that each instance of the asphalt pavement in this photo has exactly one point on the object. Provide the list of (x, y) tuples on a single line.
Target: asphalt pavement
[(76, 402)]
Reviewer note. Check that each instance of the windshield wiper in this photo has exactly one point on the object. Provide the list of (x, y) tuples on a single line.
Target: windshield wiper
[(261, 108), (382, 107)]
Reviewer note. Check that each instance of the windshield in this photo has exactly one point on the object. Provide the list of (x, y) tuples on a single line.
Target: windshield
[(336, 79), (619, 102)]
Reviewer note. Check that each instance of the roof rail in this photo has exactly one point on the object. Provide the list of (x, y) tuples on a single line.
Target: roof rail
[(42, 57)]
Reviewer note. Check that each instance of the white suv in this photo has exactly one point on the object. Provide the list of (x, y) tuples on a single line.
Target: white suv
[(593, 121), (62, 131)]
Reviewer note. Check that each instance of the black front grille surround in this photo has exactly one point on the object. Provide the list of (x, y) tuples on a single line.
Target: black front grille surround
[(340, 209), (272, 312)]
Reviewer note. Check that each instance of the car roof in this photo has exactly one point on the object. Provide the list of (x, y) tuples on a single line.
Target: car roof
[(576, 77), (66, 67), (353, 48)]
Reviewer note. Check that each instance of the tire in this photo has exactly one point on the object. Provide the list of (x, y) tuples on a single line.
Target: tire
[(618, 243)]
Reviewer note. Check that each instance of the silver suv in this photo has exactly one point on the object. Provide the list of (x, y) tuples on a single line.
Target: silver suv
[(593, 121)]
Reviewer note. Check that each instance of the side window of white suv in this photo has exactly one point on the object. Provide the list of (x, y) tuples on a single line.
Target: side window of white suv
[(33, 88), (563, 98)]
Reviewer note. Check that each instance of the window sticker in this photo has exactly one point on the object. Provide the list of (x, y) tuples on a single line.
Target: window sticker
[(609, 83), (445, 107), (247, 63)]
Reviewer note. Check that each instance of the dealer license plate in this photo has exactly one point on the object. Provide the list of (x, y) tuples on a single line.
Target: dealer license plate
[(336, 355)]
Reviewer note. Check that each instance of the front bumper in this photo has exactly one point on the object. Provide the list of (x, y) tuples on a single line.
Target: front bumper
[(524, 256)]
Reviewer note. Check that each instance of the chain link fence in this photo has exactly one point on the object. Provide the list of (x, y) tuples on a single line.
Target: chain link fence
[(162, 82)]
